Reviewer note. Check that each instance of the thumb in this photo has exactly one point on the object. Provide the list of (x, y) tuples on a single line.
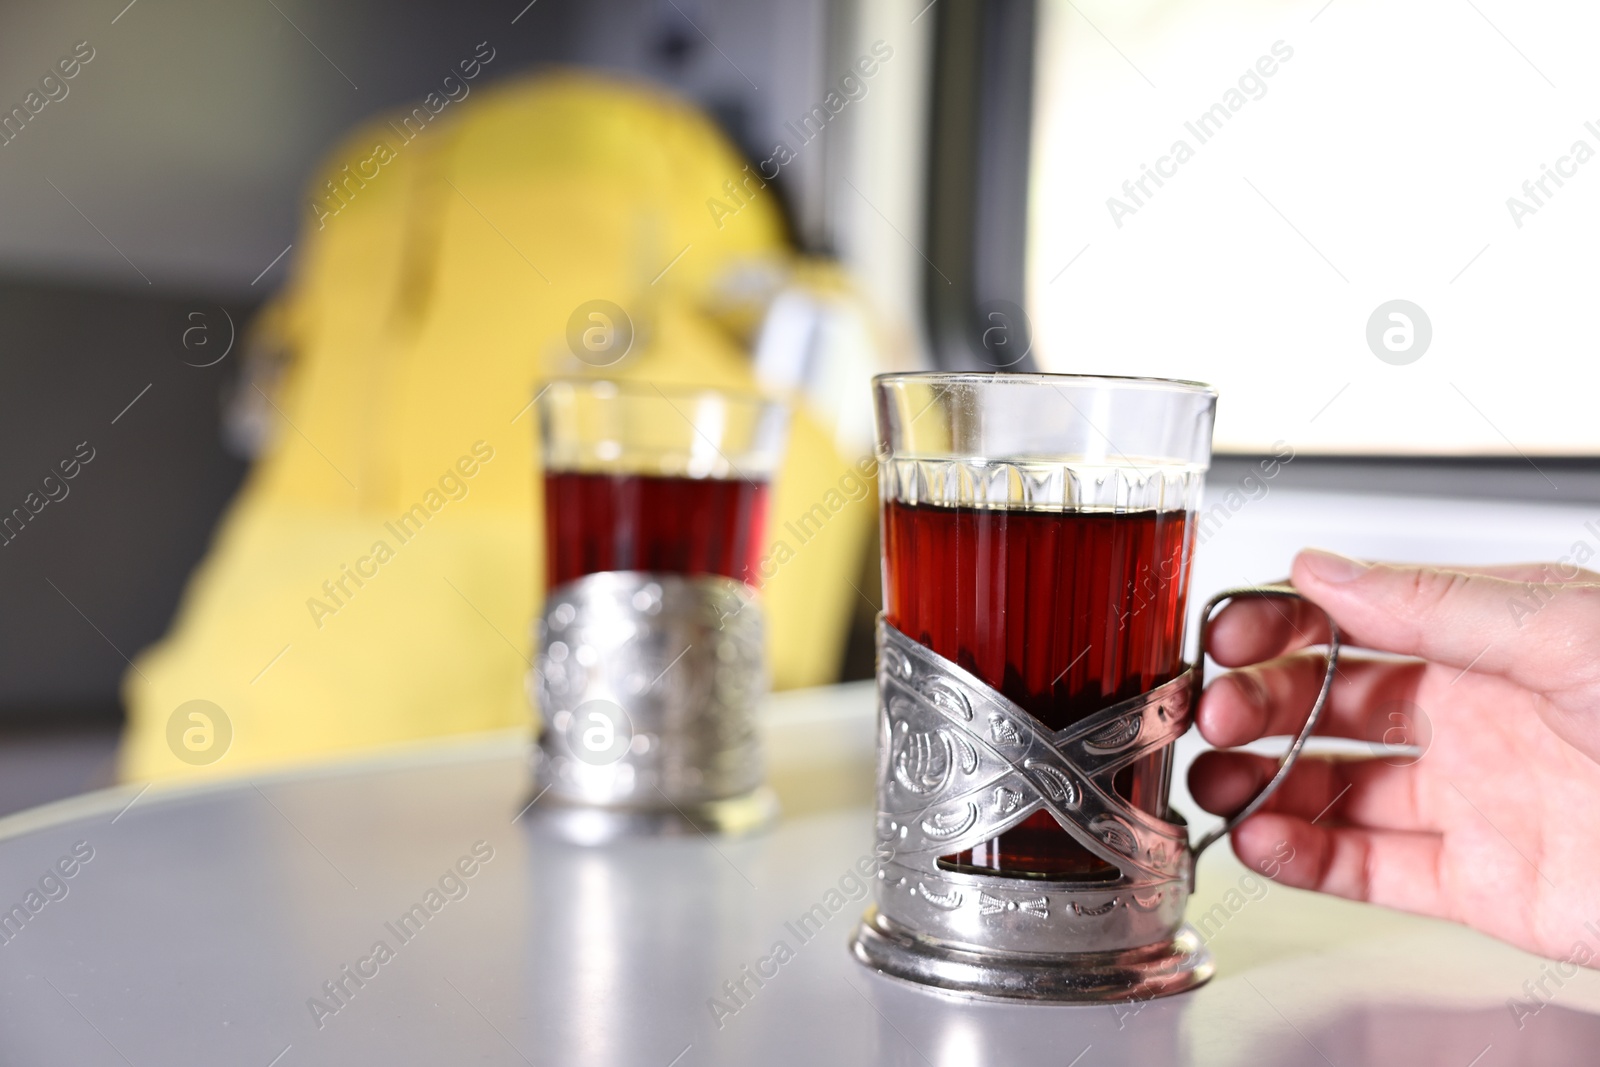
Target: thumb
[(1543, 636)]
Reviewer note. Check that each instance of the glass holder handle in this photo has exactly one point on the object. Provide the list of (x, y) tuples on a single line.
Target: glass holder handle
[(1286, 764)]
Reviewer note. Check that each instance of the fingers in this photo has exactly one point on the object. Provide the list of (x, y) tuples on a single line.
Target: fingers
[(1387, 867), (1324, 792), (1541, 636), (1274, 698), (1251, 630)]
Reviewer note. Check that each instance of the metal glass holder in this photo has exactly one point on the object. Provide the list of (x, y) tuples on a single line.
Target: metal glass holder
[(648, 685), (959, 764)]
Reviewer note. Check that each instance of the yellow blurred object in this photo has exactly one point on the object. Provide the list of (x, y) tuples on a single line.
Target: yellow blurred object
[(375, 580)]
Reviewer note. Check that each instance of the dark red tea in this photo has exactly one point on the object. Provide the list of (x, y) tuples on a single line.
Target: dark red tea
[(1065, 612), (634, 522)]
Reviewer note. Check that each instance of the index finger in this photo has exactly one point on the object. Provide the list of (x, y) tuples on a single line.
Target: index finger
[(1537, 635), (1252, 629)]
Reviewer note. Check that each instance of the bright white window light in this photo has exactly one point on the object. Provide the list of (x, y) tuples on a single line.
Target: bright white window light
[(1241, 193)]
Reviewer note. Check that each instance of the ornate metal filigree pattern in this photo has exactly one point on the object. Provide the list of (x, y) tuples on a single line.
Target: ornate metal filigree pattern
[(959, 764), (681, 657), (1032, 939)]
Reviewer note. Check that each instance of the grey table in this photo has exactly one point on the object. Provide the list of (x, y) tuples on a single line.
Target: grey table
[(210, 923)]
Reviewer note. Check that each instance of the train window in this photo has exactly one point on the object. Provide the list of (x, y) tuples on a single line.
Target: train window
[(1371, 225)]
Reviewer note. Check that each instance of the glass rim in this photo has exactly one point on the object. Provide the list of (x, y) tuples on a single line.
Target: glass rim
[(1172, 385), (660, 390)]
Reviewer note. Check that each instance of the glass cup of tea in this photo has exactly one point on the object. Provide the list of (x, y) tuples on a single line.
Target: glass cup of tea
[(1038, 539), (650, 658)]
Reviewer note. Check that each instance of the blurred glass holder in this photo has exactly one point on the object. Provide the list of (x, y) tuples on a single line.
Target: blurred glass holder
[(1037, 548), (650, 660)]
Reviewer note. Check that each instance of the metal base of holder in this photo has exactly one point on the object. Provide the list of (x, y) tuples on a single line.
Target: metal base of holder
[(1156, 970), (586, 824)]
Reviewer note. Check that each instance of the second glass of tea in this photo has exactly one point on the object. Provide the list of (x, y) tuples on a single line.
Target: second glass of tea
[(650, 658)]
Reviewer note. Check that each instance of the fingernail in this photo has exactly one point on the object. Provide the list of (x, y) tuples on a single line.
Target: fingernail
[(1332, 567)]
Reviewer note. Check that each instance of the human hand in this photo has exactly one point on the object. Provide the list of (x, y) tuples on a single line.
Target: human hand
[(1497, 825)]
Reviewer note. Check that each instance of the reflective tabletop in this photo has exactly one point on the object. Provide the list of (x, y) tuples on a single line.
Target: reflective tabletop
[(410, 909)]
